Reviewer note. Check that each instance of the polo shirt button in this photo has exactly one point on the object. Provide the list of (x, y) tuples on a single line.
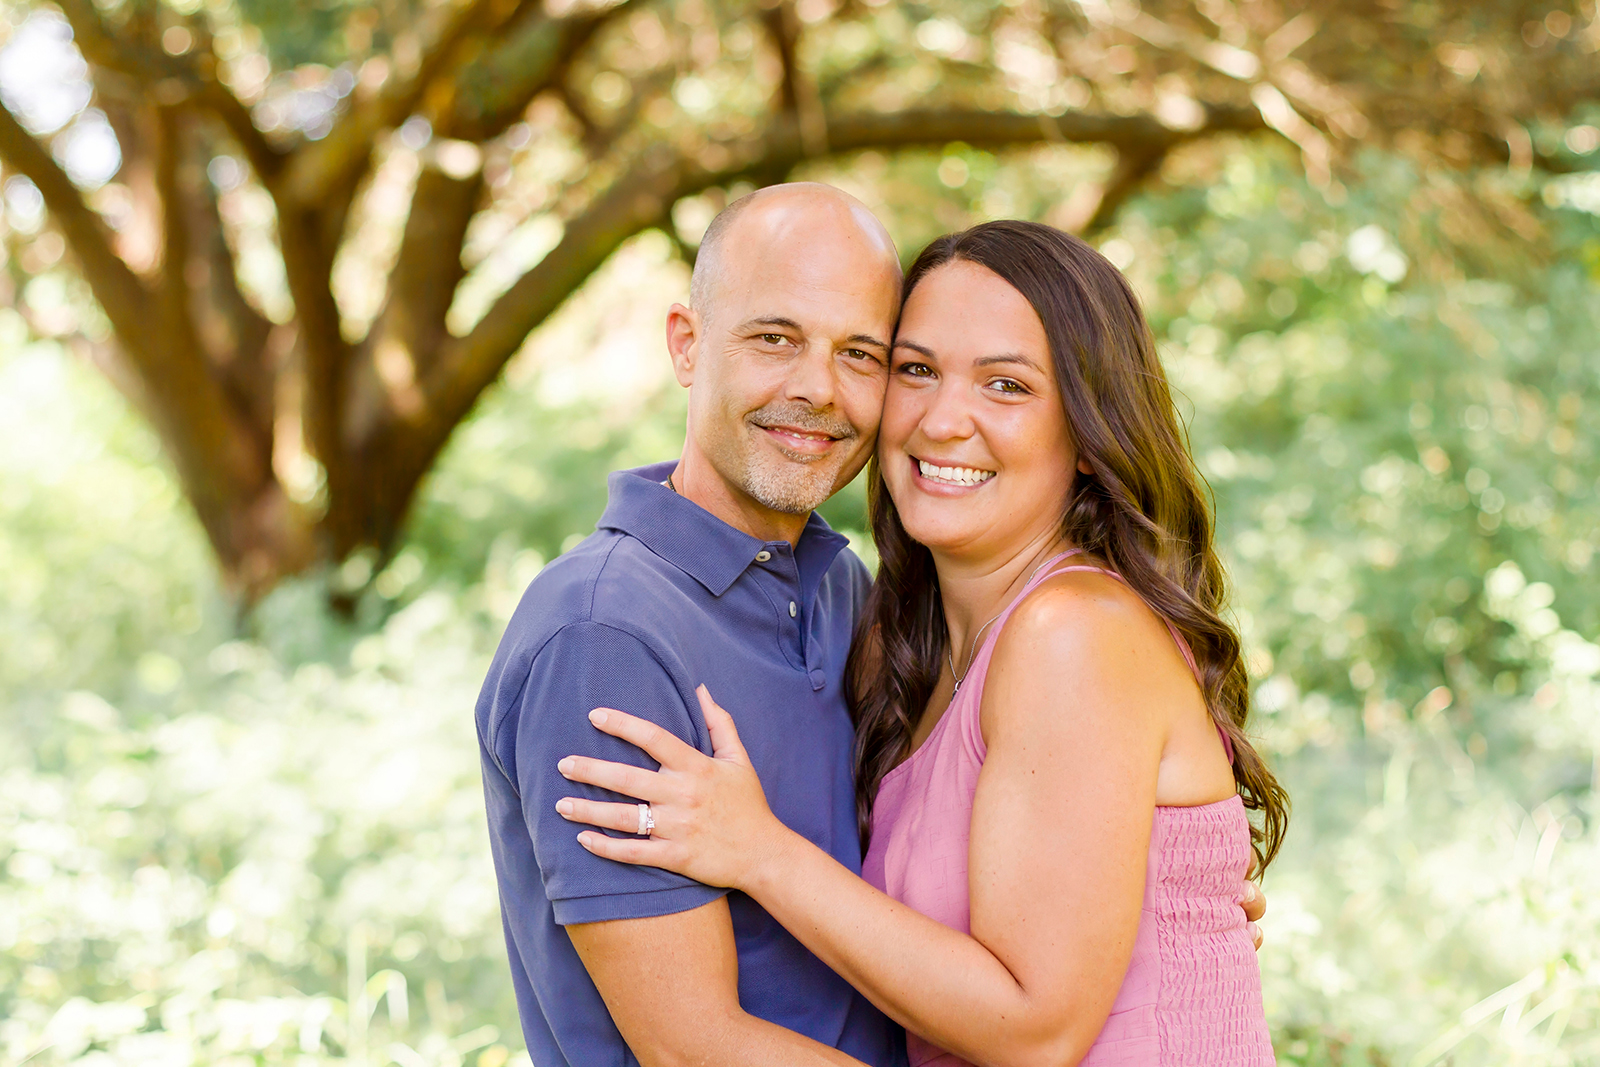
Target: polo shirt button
[(818, 679), (793, 611), (763, 556)]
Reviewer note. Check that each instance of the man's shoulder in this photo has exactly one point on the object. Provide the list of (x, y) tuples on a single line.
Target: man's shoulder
[(575, 612), (608, 589), (583, 584)]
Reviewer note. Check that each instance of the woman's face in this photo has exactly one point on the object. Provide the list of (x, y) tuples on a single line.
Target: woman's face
[(974, 444)]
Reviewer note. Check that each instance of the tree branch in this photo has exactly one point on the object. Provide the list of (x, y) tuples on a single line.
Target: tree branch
[(308, 262), (199, 428), (797, 94), (495, 89), (174, 224), (232, 332), (118, 289), (644, 196), (1092, 213), (404, 342), (320, 166), (783, 27), (196, 75)]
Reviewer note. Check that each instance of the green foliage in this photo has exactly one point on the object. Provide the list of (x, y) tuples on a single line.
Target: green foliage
[(262, 842), (319, 31)]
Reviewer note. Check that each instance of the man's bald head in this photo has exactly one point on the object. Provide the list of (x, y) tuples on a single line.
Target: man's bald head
[(785, 353), (782, 220)]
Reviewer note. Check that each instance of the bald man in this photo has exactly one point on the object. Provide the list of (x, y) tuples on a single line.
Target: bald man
[(712, 569)]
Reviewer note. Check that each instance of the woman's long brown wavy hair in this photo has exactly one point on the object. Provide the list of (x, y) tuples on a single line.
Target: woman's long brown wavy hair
[(1142, 511)]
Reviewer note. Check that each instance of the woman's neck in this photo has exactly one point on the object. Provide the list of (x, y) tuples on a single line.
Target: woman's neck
[(976, 590)]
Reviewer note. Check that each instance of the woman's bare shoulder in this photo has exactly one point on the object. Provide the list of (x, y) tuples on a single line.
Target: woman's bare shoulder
[(1082, 610), (1083, 633)]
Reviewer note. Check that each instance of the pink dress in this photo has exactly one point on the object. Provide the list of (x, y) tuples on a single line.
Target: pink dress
[(1192, 994)]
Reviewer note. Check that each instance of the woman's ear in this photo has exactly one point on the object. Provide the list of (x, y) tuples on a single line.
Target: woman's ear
[(1083, 466)]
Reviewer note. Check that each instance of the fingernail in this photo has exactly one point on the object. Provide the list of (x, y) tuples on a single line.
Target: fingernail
[(564, 807), (583, 839), (598, 716), (1249, 892), (566, 765)]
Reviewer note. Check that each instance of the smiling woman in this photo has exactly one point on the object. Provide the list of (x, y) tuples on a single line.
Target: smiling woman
[(1023, 355), (969, 390)]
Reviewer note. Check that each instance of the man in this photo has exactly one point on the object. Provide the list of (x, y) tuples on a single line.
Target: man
[(713, 570)]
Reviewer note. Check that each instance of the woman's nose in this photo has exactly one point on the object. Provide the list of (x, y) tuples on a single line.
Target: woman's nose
[(949, 415)]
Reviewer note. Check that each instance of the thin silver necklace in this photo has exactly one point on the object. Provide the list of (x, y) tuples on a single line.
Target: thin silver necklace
[(950, 653)]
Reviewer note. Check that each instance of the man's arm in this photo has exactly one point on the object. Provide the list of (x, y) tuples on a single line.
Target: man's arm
[(671, 984)]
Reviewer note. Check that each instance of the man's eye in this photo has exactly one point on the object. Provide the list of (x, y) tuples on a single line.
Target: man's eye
[(773, 338), (856, 353)]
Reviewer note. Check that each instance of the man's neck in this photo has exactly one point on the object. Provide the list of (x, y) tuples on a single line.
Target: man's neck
[(695, 479)]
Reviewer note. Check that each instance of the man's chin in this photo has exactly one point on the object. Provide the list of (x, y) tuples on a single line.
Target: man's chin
[(790, 492)]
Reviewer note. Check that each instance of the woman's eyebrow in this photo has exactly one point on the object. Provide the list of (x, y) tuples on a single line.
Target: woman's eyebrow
[(1006, 357), (899, 343)]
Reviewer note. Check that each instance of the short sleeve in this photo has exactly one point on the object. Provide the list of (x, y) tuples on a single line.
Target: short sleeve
[(584, 666)]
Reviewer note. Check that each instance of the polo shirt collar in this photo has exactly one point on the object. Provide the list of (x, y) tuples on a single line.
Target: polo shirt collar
[(696, 541)]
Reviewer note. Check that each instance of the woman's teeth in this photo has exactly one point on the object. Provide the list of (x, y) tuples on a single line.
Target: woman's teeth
[(953, 475)]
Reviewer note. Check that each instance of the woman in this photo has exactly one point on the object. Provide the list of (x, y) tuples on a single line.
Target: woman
[(1052, 770)]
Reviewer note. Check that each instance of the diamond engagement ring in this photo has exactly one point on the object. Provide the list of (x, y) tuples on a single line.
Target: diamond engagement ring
[(647, 821)]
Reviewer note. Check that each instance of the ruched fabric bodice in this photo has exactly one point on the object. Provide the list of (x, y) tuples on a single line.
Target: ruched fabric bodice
[(1192, 993)]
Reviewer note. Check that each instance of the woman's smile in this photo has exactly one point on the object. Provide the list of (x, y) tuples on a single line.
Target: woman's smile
[(948, 476)]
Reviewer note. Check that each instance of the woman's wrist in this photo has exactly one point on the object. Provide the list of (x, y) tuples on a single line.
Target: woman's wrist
[(770, 858)]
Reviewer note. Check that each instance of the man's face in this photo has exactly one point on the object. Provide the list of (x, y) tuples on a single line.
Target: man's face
[(789, 362)]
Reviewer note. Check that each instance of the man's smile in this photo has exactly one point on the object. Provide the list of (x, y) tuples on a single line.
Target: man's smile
[(803, 441)]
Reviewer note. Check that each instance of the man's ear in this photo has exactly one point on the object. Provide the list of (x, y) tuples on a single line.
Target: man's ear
[(683, 342)]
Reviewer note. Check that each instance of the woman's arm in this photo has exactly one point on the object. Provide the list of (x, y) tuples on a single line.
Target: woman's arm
[(1060, 835)]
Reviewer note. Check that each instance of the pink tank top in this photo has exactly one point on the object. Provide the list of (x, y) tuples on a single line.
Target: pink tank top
[(1192, 994)]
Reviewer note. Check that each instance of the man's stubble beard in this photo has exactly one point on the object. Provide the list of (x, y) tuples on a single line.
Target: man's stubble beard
[(789, 486)]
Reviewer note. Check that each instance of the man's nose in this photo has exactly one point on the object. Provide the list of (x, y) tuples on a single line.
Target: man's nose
[(811, 377)]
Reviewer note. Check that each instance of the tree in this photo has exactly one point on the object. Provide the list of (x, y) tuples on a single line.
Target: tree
[(301, 432)]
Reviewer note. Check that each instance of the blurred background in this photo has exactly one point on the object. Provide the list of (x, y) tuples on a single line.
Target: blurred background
[(321, 323)]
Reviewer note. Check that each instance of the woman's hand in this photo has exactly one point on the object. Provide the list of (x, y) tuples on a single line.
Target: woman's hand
[(712, 822)]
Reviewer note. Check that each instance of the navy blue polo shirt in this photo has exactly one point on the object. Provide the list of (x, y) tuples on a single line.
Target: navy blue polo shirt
[(662, 597)]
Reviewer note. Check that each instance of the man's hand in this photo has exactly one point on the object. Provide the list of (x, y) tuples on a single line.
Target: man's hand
[(1255, 906), (671, 984)]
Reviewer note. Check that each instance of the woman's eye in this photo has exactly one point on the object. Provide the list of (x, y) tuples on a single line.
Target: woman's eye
[(1010, 387), (916, 370)]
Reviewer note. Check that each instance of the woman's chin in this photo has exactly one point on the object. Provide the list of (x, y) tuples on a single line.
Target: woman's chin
[(938, 533)]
